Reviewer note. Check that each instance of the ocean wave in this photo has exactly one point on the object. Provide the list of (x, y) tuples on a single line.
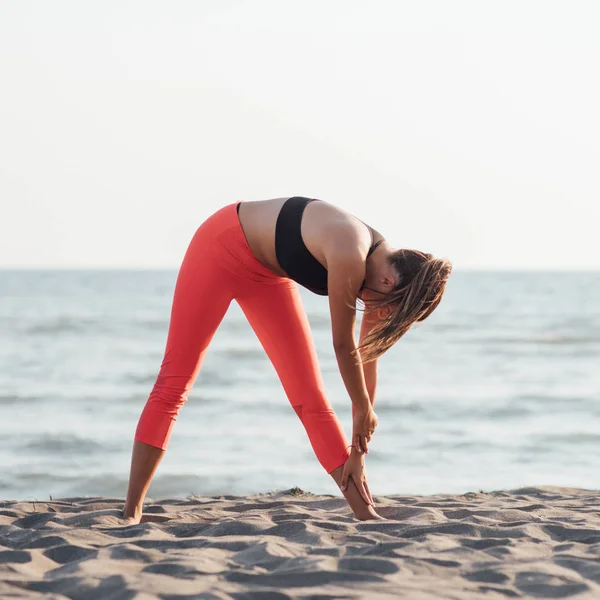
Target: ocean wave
[(569, 402), (481, 412), (10, 399), (220, 377), (243, 353), (152, 325), (575, 438), (265, 408), (39, 485), (59, 325), (146, 379), (59, 444), (541, 340), (508, 412), (386, 407)]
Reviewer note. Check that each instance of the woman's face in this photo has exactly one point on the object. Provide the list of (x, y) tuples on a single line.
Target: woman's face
[(371, 294)]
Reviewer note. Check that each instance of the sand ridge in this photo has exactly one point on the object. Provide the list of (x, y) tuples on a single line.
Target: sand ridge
[(541, 542)]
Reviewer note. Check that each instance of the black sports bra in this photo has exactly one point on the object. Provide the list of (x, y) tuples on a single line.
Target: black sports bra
[(292, 254)]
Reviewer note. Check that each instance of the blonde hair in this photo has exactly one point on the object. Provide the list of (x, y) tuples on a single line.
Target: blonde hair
[(421, 285)]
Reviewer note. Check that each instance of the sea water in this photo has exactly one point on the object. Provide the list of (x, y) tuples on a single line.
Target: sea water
[(499, 388)]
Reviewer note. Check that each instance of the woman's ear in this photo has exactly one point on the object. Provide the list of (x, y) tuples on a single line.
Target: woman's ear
[(388, 281)]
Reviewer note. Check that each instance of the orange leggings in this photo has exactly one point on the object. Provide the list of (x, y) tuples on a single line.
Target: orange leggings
[(217, 268)]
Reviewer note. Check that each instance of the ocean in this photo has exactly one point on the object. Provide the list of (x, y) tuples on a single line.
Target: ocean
[(499, 388)]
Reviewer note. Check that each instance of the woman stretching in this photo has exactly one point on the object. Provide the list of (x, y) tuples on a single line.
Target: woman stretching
[(256, 253)]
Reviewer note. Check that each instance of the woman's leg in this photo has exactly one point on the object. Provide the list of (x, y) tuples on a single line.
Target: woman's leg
[(277, 316), (202, 294)]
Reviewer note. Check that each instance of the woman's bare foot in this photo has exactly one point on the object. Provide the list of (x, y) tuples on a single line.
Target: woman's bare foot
[(362, 510)]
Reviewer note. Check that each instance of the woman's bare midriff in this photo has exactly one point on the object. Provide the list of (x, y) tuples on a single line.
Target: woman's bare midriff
[(258, 220)]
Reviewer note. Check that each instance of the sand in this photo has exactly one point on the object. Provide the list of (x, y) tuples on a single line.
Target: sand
[(539, 542)]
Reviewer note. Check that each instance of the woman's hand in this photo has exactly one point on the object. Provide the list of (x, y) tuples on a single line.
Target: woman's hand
[(363, 427), (355, 468)]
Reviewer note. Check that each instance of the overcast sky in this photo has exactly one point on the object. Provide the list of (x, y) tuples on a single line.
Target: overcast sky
[(467, 129)]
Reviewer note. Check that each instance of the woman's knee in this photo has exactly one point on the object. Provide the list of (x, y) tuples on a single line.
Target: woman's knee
[(311, 398)]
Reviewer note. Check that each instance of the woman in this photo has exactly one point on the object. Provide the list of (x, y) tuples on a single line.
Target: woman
[(257, 253)]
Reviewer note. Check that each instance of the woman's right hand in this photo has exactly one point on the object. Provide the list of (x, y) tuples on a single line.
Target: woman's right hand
[(354, 468), (363, 427)]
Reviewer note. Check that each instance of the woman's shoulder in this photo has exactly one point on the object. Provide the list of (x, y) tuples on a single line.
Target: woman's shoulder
[(343, 233)]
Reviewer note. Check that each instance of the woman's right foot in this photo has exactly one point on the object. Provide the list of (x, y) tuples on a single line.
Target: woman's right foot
[(368, 515)]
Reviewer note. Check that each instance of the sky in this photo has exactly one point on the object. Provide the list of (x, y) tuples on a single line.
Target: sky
[(469, 129)]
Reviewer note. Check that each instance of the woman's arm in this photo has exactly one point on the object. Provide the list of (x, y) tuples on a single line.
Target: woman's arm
[(370, 368), (345, 275), (370, 374), (344, 280), (369, 320)]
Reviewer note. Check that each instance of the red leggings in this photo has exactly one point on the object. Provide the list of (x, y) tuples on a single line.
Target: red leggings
[(217, 268)]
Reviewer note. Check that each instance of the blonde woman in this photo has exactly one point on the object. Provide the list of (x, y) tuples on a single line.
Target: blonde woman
[(257, 253)]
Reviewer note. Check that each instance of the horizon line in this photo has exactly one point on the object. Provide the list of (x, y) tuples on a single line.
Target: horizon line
[(478, 269)]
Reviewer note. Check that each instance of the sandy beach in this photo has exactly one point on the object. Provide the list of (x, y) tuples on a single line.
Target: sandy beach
[(541, 542)]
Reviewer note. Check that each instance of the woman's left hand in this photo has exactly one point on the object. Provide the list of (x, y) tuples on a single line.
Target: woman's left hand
[(355, 468), (363, 427)]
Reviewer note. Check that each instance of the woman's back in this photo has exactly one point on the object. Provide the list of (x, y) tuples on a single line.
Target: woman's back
[(321, 224)]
